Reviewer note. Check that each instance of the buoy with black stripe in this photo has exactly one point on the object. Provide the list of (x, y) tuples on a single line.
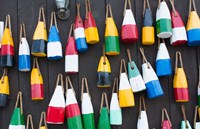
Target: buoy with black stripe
[(54, 46), (126, 97), (29, 122), (185, 123), (71, 54), (43, 122), (163, 62), (1, 32), (72, 109), (148, 34), (115, 109), (56, 108), (17, 119), (37, 85), (179, 35), (181, 92), (193, 26), (153, 86), (111, 34), (24, 63), (4, 88), (79, 33), (135, 78), (39, 44), (104, 71), (91, 30), (7, 46), (163, 20), (104, 120), (129, 31), (166, 124), (86, 106), (196, 116), (198, 90), (142, 122)]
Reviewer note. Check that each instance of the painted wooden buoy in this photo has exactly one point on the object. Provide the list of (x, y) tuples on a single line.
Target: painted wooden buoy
[(166, 124), (1, 32), (104, 120), (43, 122), (135, 78), (193, 26), (29, 122), (104, 71), (39, 47), (86, 106), (163, 21), (71, 54), (185, 123), (111, 34), (142, 122), (196, 115), (129, 31), (126, 97), (54, 46), (115, 109), (37, 85), (163, 62), (79, 33), (91, 31), (179, 35), (17, 119), (148, 34), (24, 64), (56, 108), (4, 88), (72, 109), (180, 83), (198, 90), (7, 46)]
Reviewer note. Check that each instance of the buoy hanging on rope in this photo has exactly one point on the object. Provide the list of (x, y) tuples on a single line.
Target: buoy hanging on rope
[(185, 123), (4, 88), (166, 124)]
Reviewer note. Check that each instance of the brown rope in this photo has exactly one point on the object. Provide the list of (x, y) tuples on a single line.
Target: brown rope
[(142, 103), (165, 113), (78, 5), (104, 54), (87, 7), (8, 24), (195, 116), (178, 56), (115, 86), (29, 119), (146, 3), (123, 63), (60, 79), (144, 57), (104, 97), (108, 10), (71, 29), (36, 64), (22, 32), (43, 119), (69, 83), (192, 2), (19, 101), (5, 73), (127, 2), (184, 116), (41, 16), (129, 58), (173, 7), (53, 20), (84, 83)]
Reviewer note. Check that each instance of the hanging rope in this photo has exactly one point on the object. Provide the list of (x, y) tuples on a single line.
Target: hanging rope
[(115, 86), (104, 98), (5, 73), (53, 21), (42, 16), (69, 83), (29, 120), (142, 104), (109, 10), (129, 58), (146, 3), (178, 57), (43, 119), (19, 102), (164, 113), (60, 79), (144, 57), (22, 32), (84, 84), (184, 116)]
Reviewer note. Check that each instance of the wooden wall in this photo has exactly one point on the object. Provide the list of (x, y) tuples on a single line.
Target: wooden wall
[(26, 11)]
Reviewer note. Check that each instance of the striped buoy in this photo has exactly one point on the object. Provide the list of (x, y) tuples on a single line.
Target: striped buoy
[(91, 31), (7, 46), (148, 36), (181, 92), (163, 21), (104, 120), (39, 47), (56, 108), (196, 114), (71, 54), (37, 85), (185, 123), (29, 122), (129, 31), (135, 78), (86, 106), (179, 35), (163, 62), (4, 88), (43, 122), (166, 124), (73, 113), (126, 97), (79, 33), (154, 88), (24, 51), (142, 122), (17, 119), (54, 46), (1, 32), (193, 26), (198, 90)]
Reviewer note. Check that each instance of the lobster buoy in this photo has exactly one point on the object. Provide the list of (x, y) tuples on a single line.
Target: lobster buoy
[(71, 54), (185, 123), (163, 21), (166, 124), (1, 32), (196, 114), (4, 89), (163, 62), (79, 33), (54, 46), (181, 91), (17, 119), (153, 86), (91, 31), (24, 64), (129, 31), (39, 47), (56, 109), (43, 122)]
